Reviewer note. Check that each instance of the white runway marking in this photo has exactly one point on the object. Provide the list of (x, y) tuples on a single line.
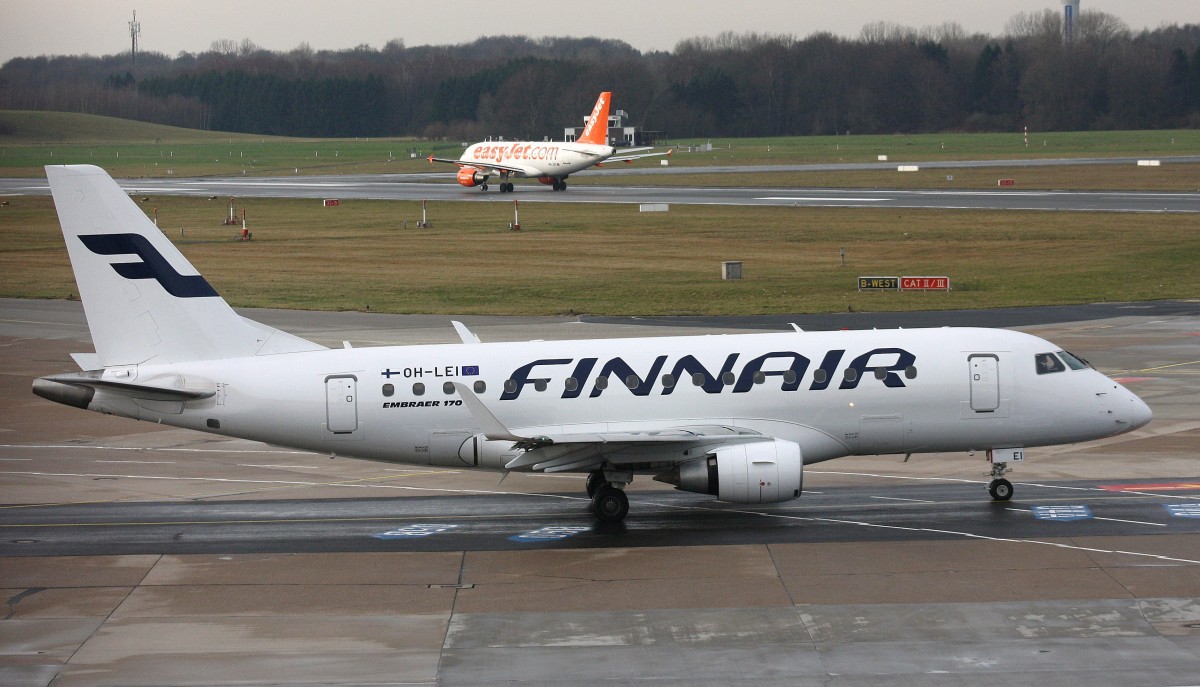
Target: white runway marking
[(896, 498)]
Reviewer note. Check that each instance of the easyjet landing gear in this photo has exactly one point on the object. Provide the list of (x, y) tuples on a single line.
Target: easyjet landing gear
[(506, 187), (1000, 488), (483, 186), (607, 490), (559, 185)]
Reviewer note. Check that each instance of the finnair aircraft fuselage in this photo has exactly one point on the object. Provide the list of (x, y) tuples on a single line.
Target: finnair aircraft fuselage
[(736, 416), (833, 393)]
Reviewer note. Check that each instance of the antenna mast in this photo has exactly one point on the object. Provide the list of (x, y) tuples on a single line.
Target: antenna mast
[(135, 29)]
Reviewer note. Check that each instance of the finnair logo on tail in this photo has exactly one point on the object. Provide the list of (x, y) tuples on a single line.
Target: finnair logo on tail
[(152, 266)]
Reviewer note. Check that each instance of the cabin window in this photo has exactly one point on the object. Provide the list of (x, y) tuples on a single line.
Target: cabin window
[(1048, 363), (851, 374), (540, 384), (571, 384), (510, 386), (602, 383), (389, 390), (632, 381), (418, 389), (760, 377), (479, 386), (881, 373), (728, 378), (789, 377), (697, 379), (447, 388), (819, 376), (668, 381), (1073, 361), (910, 372)]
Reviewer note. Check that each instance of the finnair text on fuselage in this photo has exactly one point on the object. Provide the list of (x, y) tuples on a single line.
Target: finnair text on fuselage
[(788, 366)]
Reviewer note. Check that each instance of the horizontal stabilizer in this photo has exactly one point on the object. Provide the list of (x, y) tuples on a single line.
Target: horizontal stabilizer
[(171, 388), (87, 361)]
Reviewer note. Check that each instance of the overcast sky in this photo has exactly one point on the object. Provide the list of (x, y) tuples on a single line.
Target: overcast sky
[(100, 27)]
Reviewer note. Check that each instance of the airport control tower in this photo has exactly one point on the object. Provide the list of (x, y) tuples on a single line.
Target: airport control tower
[(1070, 18)]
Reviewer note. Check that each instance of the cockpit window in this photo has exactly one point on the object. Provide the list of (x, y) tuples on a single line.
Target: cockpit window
[(1047, 363), (1074, 362)]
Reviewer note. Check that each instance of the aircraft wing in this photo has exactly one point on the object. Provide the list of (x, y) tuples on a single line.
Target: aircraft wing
[(584, 451), (623, 156), (491, 167)]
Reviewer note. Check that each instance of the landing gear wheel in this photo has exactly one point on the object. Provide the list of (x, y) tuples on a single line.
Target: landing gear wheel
[(557, 185), (511, 188), (610, 504), (483, 187), (562, 185), (595, 480), (1000, 489)]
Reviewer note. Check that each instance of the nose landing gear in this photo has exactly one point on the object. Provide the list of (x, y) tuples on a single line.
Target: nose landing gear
[(1000, 488)]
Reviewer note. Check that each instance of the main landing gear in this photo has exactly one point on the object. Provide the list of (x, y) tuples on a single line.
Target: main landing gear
[(559, 185), (607, 490), (505, 187)]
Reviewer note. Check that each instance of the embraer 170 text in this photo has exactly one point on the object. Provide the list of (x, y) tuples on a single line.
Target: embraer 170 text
[(550, 162), (737, 417)]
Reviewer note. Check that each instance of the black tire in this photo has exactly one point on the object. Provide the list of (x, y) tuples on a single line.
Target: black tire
[(562, 185), (610, 505), (1000, 489), (595, 480), (483, 187)]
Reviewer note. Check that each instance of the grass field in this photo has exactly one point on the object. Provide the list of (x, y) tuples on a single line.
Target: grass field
[(610, 259)]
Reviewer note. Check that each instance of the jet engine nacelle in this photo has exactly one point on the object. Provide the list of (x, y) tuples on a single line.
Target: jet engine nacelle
[(548, 180), (758, 472), (470, 176)]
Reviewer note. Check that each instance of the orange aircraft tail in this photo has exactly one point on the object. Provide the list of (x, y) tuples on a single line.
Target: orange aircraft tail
[(596, 130)]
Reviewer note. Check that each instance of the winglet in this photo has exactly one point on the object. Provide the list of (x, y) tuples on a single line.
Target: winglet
[(467, 336), (492, 427), (596, 129)]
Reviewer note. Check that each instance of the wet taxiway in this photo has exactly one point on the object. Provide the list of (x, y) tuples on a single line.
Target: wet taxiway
[(137, 555)]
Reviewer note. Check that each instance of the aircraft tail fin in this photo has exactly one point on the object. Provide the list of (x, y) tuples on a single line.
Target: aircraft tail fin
[(144, 301), (596, 129)]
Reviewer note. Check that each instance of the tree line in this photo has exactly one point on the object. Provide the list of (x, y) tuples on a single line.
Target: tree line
[(890, 79)]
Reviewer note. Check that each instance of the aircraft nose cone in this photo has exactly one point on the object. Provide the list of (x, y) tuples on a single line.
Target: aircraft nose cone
[(1139, 413)]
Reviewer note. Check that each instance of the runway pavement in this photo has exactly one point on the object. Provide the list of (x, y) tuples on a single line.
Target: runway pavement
[(137, 555), (424, 187)]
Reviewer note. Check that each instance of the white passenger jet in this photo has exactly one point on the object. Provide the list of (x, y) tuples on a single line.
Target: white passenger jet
[(550, 162), (737, 417)]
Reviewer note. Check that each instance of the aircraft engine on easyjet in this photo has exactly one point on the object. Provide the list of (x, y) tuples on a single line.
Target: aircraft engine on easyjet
[(469, 176), (547, 180)]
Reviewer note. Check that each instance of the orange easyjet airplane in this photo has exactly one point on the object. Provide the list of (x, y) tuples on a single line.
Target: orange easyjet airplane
[(550, 162)]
